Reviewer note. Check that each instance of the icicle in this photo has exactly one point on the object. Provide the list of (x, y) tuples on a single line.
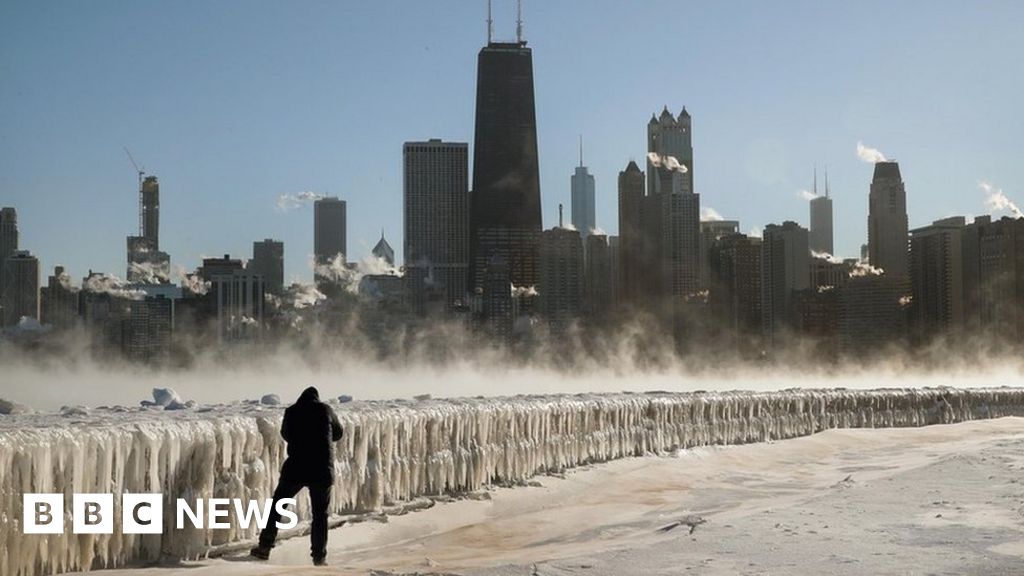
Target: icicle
[(397, 451)]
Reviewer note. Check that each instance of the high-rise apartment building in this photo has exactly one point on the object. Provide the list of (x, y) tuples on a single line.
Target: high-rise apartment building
[(937, 278), (785, 269)]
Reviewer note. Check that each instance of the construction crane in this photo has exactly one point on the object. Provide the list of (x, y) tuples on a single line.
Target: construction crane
[(142, 172)]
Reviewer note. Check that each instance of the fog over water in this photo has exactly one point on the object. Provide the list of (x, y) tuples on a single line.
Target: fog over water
[(47, 387)]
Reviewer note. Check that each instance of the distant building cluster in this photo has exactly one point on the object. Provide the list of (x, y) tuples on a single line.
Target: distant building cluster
[(476, 255)]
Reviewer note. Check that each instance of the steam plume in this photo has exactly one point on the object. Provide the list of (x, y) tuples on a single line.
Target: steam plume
[(289, 202), (192, 282), (862, 268), (110, 284), (807, 195), (827, 257), (871, 155), (997, 200), (667, 162), (709, 214)]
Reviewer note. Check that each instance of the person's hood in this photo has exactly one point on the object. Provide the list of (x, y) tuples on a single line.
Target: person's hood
[(310, 394)]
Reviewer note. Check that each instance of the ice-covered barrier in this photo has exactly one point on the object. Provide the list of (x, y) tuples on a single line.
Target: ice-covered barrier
[(396, 451)]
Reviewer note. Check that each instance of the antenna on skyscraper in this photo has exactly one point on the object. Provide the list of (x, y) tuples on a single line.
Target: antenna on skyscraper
[(581, 150), (826, 181), (814, 190), (490, 23), (142, 172), (519, 21)]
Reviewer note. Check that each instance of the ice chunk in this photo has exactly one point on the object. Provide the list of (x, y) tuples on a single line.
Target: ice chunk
[(165, 397), (11, 407), (270, 400)]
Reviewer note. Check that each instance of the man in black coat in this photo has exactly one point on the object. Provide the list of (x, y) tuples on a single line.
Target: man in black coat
[(310, 428)]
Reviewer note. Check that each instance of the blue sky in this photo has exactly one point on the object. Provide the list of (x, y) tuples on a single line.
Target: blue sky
[(233, 103)]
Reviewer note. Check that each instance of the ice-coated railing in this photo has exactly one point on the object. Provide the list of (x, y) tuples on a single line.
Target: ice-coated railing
[(397, 451)]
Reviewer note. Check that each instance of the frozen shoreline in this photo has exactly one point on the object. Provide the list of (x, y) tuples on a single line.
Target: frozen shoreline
[(397, 451), (935, 500)]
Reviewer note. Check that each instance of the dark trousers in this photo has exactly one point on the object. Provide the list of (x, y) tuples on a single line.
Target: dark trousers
[(319, 498)]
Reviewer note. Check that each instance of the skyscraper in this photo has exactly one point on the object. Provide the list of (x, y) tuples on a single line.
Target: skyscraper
[(669, 136), (436, 219), (268, 261), (146, 263), (58, 301), (820, 236), (383, 250), (8, 239), (735, 283), (505, 214), (785, 268), (561, 277), (887, 221), (20, 288), (329, 230), (598, 290), (584, 216), (936, 275), (679, 212), (633, 249), (993, 269), (711, 231), (149, 211)]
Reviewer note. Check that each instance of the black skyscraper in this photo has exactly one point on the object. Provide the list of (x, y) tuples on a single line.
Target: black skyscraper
[(505, 215)]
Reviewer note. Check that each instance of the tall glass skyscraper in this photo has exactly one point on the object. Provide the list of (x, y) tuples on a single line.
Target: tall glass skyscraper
[(505, 213), (584, 213)]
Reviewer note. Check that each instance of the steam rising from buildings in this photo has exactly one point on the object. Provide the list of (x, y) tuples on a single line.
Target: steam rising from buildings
[(870, 155), (996, 199), (148, 272), (289, 202), (807, 195), (192, 282), (832, 259), (102, 283), (709, 214), (861, 269), (667, 162)]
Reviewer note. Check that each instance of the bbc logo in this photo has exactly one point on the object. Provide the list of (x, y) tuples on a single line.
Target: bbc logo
[(93, 513), (144, 513)]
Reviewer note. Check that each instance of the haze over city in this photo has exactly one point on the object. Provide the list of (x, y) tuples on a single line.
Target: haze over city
[(233, 105)]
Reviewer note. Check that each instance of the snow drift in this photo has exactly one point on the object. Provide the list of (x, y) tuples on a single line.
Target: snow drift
[(397, 451)]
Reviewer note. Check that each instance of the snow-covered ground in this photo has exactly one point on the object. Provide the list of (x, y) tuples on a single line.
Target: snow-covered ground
[(397, 453), (944, 499)]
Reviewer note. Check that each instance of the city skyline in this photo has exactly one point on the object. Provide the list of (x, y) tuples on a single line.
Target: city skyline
[(217, 200)]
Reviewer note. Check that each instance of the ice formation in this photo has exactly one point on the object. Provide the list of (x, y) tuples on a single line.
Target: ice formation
[(397, 451)]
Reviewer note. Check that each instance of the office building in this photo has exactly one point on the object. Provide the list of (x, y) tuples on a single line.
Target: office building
[(268, 262), (505, 209), (887, 221), (785, 269), (669, 136), (58, 301), (329, 230)]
